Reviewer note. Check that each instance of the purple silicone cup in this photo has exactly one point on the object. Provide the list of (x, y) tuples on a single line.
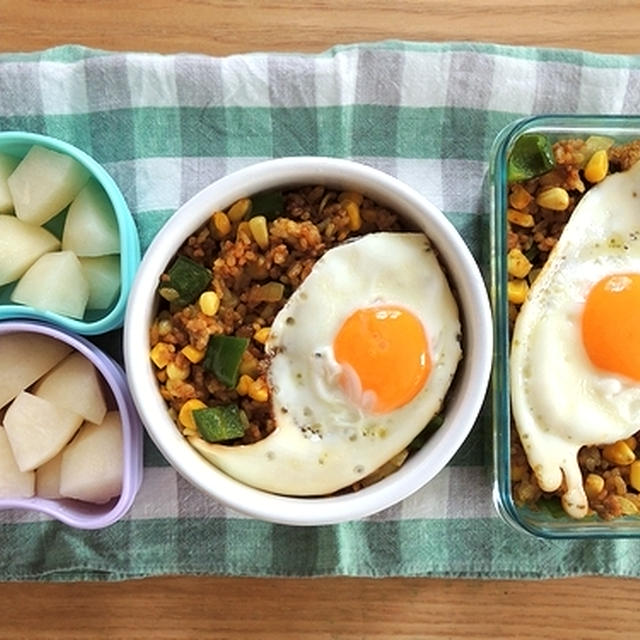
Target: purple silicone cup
[(75, 513)]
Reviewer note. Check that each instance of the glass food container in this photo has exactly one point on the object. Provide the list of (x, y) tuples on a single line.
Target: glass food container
[(548, 521)]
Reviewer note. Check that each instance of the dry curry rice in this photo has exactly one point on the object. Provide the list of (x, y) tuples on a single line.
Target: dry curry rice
[(219, 297), (540, 200)]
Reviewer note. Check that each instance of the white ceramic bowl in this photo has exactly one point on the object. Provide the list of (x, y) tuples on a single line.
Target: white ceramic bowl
[(462, 407)]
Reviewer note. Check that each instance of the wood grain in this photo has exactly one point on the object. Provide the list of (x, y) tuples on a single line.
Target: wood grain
[(328, 608), (278, 609), (222, 27)]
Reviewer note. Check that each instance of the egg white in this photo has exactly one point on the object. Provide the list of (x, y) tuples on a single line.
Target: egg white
[(560, 400), (323, 441)]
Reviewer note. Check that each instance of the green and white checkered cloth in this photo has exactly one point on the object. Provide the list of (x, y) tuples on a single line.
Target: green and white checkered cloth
[(166, 126)]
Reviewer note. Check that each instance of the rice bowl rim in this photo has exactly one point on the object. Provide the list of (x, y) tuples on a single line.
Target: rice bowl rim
[(463, 405)]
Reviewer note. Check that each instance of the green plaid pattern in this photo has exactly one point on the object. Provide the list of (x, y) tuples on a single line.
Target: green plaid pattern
[(166, 126)]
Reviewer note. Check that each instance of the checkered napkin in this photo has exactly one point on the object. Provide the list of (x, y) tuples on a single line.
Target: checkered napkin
[(166, 126)]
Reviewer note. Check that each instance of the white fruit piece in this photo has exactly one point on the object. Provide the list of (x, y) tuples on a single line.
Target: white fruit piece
[(93, 463), (37, 429), (26, 357), (13, 482), (91, 228), (21, 244), (103, 275), (44, 183), (7, 165), (55, 282), (48, 478), (74, 385)]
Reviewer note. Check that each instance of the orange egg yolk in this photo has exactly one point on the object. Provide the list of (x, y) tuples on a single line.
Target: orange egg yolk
[(611, 324), (387, 348)]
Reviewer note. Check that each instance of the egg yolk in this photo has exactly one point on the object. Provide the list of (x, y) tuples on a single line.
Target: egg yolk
[(387, 348), (611, 324)]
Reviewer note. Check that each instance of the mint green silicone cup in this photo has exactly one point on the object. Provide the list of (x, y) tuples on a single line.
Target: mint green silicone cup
[(17, 143)]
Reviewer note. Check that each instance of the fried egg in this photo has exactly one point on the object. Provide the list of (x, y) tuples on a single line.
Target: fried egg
[(362, 355), (575, 354)]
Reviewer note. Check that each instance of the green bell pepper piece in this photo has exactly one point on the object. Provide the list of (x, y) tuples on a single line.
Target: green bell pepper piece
[(186, 281), (217, 424), (269, 204), (530, 156), (223, 357)]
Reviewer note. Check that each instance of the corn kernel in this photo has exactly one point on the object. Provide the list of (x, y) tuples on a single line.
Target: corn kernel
[(162, 354), (618, 453), (221, 224), (209, 303), (192, 354), (249, 364), (517, 291), (634, 475), (597, 166), (164, 326), (244, 384), (243, 230), (626, 506), (354, 196), (555, 198), (258, 390), (520, 218), (353, 211), (239, 210), (519, 197), (185, 416), (169, 293), (259, 231), (593, 485), (176, 372), (518, 264), (261, 335), (632, 442)]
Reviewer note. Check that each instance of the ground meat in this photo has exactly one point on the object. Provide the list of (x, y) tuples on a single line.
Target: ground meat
[(624, 156), (251, 283), (302, 237)]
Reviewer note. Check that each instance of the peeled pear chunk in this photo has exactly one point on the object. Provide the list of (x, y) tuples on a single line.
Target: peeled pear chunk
[(91, 228), (37, 429), (93, 463), (13, 482), (74, 385), (44, 183), (7, 165), (103, 275), (55, 282), (21, 244), (48, 478), (25, 357)]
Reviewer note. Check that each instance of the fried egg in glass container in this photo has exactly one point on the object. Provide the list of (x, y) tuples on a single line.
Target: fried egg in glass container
[(575, 351), (363, 354)]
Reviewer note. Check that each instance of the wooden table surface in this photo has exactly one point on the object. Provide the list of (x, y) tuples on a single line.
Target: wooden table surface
[(222, 607)]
